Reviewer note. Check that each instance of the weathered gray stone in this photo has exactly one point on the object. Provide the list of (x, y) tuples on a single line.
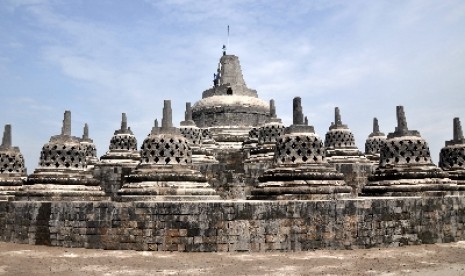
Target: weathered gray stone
[(167, 120), (298, 117), (6, 140), (123, 147), (230, 108), (272, 109), (452, 156), (405, 166), (91, 150), (62, 174), (235, 225), (300, 170), (12, 169), (374, 143), (66, 129), (164, 171), (340, 143)]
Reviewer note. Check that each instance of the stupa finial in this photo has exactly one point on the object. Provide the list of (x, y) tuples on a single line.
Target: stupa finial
[(272, 109), (458, 133), (401, 120), (6, 141), (124, 122), (66, 129), (167, 120), (375, 125), (188, 112), (298, 117), (85, 134), (337, 117)]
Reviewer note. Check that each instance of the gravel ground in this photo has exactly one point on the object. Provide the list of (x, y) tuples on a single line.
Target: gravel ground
[(436, 259)]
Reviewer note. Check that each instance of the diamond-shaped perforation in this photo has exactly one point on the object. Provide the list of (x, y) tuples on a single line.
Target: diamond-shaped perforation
[(299, 149)]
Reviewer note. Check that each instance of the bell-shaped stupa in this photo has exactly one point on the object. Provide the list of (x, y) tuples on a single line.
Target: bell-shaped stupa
[(374, 143), (123, 147), (188, 129), (405, 166), (300, 170), (258, 150), (62, 174), (164, 171), (340, 142), (267, 136), (90, 148), (452, 156), (12, 169)]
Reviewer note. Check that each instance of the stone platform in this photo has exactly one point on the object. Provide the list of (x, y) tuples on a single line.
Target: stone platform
[(236, 225)]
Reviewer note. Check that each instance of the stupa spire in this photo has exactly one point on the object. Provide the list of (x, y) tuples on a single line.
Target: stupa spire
[(66, 129), (167, 120), (458, 133), (298, 117), (85, 134), (6, 141)]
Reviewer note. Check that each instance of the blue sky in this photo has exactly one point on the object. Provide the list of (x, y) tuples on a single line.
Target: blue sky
[(101, 58)]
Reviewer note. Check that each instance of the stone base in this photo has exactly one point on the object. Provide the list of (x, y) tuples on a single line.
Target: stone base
[(167, 191), (413, 187), (7, 192), (9, 186), (8, 195), (204, 159), (458, 176), (373, 158), (56, 192), (61, 184), (201, 156), (347, 159), (301, 190), (261, 154), (320, 181), (126, 157), (167, 184)]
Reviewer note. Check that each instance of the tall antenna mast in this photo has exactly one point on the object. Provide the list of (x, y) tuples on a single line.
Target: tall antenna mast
[(228, 39)]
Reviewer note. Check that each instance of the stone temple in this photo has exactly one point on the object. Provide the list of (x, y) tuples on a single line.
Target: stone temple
[(452, 156), (163, 172), (300, 168), (62, 173), (233, 177), (405, 166), (12, 169), (229, 109)]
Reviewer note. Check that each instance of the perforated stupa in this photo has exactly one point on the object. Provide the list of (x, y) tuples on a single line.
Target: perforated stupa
[(405, 166), (340, 142), (374, 143), (62, 174), (164, 171), (123, 146), (452, 156), (91, 150), (12, 169), (300, 170), (201, 154)]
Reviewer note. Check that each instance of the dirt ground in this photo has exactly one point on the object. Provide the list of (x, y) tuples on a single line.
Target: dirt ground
[(438, 259)]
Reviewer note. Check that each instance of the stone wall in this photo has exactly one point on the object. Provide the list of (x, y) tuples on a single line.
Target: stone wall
[(235, 225), (229, 116), (355, 174)]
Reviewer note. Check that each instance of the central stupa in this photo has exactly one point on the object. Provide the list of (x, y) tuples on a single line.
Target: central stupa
[(230, 109)]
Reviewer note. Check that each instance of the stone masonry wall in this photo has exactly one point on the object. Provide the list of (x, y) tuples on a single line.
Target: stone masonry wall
[(235, 225)]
